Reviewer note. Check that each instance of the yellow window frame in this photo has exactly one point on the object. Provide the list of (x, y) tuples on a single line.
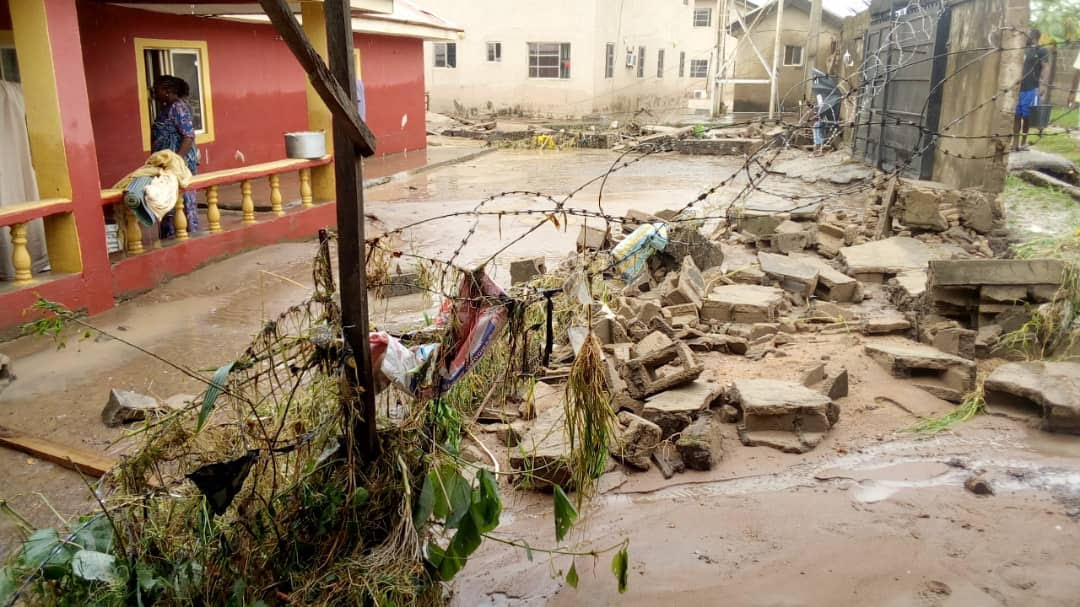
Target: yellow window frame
[(144, 44)]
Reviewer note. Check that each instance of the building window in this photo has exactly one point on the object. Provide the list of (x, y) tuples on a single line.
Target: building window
[(660, 63), (183, 59), (609, 60), (793, 55), (445, 54), (682, 64), (702, 17), (494, 52), (699, 68), (549, 60), (9, 64), (641, 62)]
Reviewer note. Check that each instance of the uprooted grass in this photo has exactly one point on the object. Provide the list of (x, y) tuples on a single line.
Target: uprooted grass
[(1051, 331), (974, 404)]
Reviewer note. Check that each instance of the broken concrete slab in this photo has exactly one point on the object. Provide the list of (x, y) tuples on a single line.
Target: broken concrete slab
[(792, 274), (524, 270), (543, 454), (946, 376), (835, 385), (701, 443), (875, 261), (661, 370), (593, 239), (667, 459), (653, 342), (674, 409), (743, 303), (906, 289), (883, 322), (727, 344), (687, 240), (783, 415), (508, 434), (966, 272), (791, 236), (635, 440), (1051, 389), (125, 406)]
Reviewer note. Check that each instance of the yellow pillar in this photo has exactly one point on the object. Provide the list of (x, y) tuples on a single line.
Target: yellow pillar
[(305, 187), (247, 203), (213, 214), (45, 128), (275, 195), (319, 118), (20, 257)]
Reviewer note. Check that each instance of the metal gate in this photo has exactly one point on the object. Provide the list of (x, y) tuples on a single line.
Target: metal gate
[(899, 104)]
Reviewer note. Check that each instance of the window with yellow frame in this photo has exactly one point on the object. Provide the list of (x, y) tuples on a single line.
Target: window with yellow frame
[(187, 59)]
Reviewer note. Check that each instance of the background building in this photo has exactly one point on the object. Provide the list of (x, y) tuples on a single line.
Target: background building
[(569, 58)]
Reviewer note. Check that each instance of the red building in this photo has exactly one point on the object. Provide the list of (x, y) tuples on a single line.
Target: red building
[(84, 68)]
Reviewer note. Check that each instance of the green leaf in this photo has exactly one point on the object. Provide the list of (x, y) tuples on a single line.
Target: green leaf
[(147, 578), (443, 480), (435, 555), (360, 497), (95, 566), (565, 514), (8, 585), (571, 576), (217, 386), (620, 563), (43, 548), (465, 542), (426, 506), (96, 535), (460, 500), (486, 504)]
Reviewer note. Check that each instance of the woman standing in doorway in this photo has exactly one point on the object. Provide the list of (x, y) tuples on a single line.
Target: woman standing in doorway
[(174, 130)]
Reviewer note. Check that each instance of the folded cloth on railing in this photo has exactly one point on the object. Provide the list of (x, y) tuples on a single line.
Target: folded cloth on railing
[(631, 254), (161, 194), (478, 314), (160, 163), (135, 199)]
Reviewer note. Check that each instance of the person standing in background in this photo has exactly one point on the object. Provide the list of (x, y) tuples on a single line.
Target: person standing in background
[(173, 129), (1031, 84)]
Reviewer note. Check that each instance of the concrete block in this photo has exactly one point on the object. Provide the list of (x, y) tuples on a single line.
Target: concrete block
[(982, 272), (1049, 389), (687, 240), (701, 443), (674, 409), (944, 375), (782, 415), (524, 270), (655, 373), (792, 275), (743, 303), (653, 342), (635, 440), (885, 257), (593, 239), (125, 406)]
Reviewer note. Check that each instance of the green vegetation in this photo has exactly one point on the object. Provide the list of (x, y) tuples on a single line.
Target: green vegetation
[(973, 405)]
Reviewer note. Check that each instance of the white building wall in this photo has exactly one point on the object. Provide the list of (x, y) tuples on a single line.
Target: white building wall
[(478, 84), (588, 25)]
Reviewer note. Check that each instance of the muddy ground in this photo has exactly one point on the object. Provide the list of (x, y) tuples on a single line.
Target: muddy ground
[(874, 515)]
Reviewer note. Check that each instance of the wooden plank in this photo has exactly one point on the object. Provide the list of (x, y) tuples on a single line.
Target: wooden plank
[(87, 462), (349, 175), (25, 211), (333, 91)]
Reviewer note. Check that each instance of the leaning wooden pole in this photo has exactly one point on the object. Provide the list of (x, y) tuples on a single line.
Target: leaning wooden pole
[(349, 173), (336, 86)]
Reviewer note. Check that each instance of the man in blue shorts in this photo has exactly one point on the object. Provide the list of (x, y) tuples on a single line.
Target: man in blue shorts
[(1035, 57)]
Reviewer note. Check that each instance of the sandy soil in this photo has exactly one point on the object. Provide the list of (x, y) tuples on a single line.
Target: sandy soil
[(872, 516)]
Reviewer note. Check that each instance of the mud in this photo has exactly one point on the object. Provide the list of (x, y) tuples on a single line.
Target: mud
[(873, 515)]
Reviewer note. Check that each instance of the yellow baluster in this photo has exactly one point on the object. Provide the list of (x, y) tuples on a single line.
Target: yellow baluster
[(20, 256), (305, 187), (134, 233), (275, 195), (180, 219), (213, 214), (247, 204)]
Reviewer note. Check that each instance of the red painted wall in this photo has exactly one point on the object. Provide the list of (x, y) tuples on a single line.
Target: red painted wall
[(393, 75), (258, 88)]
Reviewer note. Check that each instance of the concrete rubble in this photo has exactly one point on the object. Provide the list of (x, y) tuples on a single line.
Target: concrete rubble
[(912, 278), (1050, 390), (125, 406)]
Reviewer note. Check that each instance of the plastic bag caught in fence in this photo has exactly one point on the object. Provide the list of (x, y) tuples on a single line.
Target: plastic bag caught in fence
[(631, 254), (403, 366), (478, 314)]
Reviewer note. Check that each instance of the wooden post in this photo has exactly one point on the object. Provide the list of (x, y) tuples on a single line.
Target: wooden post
[(213, 213), (348, 172)]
